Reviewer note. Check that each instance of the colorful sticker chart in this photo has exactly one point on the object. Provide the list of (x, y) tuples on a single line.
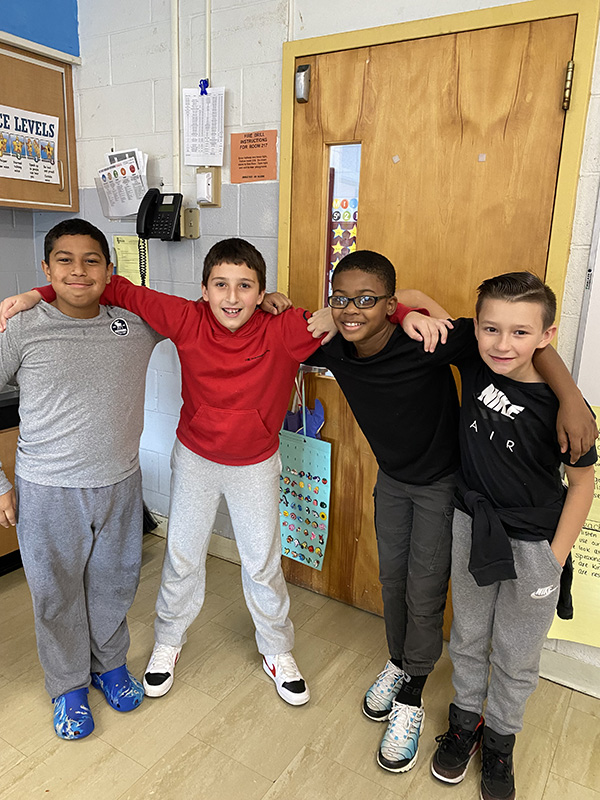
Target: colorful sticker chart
[(304, 494)]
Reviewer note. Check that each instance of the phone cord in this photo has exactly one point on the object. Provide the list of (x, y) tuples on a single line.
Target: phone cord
[(143, 259)]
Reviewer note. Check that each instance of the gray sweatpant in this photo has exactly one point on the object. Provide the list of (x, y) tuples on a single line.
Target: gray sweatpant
[(252, 495), (82, 552), (502, 626), (414, 529)]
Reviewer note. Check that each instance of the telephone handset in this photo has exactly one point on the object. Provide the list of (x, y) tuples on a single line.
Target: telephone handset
[(158, 216)]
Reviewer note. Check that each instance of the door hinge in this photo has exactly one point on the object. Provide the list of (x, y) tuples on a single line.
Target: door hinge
[(568, 86)]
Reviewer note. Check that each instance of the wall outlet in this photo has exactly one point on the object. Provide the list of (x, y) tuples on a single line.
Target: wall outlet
[(190, 223)]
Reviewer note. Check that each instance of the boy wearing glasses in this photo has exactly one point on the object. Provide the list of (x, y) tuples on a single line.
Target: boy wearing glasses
[(405, 402)]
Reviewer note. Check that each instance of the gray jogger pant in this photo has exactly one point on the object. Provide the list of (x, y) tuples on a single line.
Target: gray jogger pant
[(413, 525), (503, 626), (82, 552), (252, 495)]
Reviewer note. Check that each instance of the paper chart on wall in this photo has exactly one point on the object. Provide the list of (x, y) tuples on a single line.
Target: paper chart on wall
[(203, 127), (28, 145), (584, 628)]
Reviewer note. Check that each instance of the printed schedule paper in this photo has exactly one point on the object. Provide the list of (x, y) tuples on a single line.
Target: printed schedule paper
[(203, 127)]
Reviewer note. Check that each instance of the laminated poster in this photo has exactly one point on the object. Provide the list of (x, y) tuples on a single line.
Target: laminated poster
[(584, 628), (28, 146)]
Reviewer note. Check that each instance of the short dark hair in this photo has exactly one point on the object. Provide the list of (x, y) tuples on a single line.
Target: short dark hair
[(372, 263), (235, 251), (519, 287), (75, 227)]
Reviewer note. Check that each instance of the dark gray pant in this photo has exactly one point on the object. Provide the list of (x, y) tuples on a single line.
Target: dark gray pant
[(502, 626), (81, 550), (413, 525)]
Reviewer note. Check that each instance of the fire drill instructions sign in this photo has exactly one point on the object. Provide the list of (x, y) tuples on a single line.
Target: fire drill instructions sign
[(28, 145), (253, 156)]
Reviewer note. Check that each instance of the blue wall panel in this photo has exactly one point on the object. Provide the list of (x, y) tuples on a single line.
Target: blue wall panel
[(53, 24)]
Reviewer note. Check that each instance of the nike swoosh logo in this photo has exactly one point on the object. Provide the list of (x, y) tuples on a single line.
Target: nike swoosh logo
[(271, 669), (543, 592)]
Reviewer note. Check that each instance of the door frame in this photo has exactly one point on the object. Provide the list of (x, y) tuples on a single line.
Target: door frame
[(588, 12)]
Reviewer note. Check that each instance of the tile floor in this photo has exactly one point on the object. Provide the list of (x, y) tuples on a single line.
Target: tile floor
[(222, 733)]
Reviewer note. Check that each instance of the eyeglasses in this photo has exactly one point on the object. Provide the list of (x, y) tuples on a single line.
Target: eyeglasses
[(362, 301)]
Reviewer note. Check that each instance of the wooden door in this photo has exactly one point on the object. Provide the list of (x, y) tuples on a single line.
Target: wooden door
[(42, 85), (460, 144)]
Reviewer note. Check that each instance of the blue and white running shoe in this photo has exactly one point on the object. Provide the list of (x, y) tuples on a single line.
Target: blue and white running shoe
[(72, 716), (122, 691), (377, 702), (400, 744)]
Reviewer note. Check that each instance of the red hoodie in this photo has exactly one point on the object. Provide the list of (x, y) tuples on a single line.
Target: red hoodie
[(236, 385)]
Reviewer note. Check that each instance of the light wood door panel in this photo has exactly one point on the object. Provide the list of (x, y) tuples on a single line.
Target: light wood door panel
[(461, 137)]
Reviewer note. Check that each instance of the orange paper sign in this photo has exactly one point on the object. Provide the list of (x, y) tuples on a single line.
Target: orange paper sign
[(254, 156)]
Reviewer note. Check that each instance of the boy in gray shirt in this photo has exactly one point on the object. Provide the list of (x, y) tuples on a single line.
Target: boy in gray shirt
[(81, 370)]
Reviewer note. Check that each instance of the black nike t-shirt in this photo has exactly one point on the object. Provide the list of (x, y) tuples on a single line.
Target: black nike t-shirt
[(508, 442), (404, 400)]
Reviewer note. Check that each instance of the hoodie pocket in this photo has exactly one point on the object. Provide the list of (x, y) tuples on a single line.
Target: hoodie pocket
[(230, 434)]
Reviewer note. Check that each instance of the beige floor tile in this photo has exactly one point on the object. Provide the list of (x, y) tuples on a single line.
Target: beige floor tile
[(192, 769), (348, 627), (314, 777), (216, 660), (9, 756), (15, 596), (224, 578), (577, 758), (329, 669), (547, 706), (19, 650), (26, 711), (258, 728), (559, 788), (583, 702), (236, 617), (534, 747), (306, 596), (152, 555), (71, 770), (147, 733)]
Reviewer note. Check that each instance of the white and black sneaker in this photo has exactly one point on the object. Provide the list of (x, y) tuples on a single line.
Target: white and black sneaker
[(290, 684), (158, 678)]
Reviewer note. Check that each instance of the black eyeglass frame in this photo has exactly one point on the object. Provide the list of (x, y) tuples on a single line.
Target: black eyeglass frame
[(354, 299)]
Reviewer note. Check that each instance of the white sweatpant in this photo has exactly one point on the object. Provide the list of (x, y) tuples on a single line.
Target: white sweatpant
[(252, 495)]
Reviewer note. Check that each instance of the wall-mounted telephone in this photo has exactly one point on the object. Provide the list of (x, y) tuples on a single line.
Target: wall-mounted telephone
[(158, 216)]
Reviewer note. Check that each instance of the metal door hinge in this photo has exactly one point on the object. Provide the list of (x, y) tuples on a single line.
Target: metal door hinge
[(568, 86)]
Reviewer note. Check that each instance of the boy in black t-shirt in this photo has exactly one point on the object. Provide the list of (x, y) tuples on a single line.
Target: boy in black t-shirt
[(514, 526), (405, 402)]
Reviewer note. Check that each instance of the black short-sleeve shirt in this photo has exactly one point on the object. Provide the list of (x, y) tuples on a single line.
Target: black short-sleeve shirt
[(404, 400)]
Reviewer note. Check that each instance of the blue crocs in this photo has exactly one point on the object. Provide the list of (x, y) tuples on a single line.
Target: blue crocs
[(72, 716), (122, 691)]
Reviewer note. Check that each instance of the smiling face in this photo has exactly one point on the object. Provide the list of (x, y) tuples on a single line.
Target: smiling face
[(368, 328), (508, 334), (233, 292), (78, 272)]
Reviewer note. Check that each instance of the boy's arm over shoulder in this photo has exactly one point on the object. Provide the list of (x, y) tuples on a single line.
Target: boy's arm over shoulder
[(575, 510), (297, 338), (576, 426)]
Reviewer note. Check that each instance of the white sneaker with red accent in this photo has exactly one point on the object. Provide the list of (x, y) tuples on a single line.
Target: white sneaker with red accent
[(290, 684), (158, 677)]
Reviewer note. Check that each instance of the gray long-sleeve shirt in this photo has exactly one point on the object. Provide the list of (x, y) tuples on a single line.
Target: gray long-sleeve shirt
[(82, 394)]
